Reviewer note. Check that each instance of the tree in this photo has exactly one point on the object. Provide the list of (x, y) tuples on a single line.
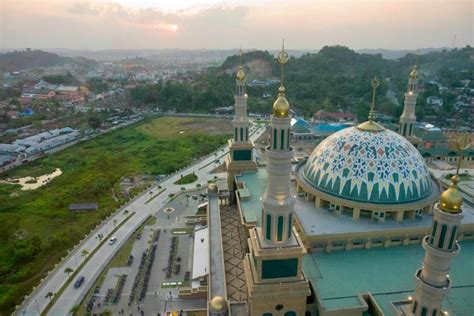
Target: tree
[(94, 122), (198, 185), (183, 189), (115, 222), (68, 271), (84, 253), (75, 310), (49, 295)]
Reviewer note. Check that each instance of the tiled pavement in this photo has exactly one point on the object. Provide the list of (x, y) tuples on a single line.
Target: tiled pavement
[(233, 254)]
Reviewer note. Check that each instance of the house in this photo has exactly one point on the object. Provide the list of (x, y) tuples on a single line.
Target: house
[(83, 207), (333, 116), (434, 101), (41, 94)]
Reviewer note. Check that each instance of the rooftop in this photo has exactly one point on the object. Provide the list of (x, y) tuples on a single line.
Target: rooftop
[(318, 221), (387, 273)]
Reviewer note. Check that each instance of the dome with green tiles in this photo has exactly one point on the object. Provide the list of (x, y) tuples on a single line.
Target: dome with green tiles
[(372, 167)]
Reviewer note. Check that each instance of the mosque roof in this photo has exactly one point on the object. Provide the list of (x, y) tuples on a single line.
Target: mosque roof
[(365, 166)]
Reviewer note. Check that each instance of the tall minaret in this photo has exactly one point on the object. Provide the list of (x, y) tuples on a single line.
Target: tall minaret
[(408, 118), (273, 265), (432, 280), (240, 156)]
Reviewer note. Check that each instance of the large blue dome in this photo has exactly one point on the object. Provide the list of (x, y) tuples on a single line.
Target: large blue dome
[(372, 167)]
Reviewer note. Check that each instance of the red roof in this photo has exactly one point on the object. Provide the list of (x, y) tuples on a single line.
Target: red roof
[(321, 114)]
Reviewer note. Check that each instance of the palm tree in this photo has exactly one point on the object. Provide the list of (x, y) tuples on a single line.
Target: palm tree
[(198, 185), (125, 212), (49, 295), (183, 189), (84, 253), (68, 271), (75, 310)]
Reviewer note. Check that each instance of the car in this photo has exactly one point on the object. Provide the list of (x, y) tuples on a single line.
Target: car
[(79, 282), (112, 240)]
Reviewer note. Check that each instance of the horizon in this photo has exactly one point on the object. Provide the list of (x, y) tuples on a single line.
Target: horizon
[(96, 25)]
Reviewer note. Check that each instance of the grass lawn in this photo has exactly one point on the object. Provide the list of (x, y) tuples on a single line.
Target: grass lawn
[(187, 179), (36, 228)]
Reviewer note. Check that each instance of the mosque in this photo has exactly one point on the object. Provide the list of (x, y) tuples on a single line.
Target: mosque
[(320, 235)]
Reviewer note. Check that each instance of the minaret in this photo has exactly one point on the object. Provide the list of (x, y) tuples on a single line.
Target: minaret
[(240, 156), (273, 265), (408, 118), (432, 280)]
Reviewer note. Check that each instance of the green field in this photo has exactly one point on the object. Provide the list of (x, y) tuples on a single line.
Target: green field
[(187, 179), (36, 228)]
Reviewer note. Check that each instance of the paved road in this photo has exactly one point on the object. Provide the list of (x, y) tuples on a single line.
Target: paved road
[(97, 262)]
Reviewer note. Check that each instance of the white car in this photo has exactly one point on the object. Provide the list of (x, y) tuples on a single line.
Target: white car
[(112, 240)]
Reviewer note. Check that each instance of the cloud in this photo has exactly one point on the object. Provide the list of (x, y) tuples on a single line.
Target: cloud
[(99, 24)]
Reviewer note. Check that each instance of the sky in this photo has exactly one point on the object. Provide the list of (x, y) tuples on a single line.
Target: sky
[(216, 24)]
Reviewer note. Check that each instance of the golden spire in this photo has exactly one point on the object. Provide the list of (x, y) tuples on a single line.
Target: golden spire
[(451, 199), (414, 72), (281, 107), (370, 125), (241, 73)]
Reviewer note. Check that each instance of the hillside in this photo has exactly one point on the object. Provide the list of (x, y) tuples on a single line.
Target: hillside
[(18, 60), (258, 64)]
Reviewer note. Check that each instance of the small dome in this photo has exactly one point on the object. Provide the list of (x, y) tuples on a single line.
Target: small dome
[(212, 187), (218, 304), (363, 166), (414, 73), (241, 74), (281, 107), (451, 199)]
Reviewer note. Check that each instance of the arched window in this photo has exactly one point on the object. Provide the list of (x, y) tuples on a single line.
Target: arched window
[(435, 313), (423, 311), (442, 236), (242, 134), (290, 224), (235, 134), (452, 238), (274, 138), (433, 231), (280, 228), (282, 145), (290, 313), (268, 230)]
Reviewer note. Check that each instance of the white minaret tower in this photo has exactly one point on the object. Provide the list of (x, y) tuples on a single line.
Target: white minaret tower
[(432, 280), (408, 118), (240, 156), (273, 265)]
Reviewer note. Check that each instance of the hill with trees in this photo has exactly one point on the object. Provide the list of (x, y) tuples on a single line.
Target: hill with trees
[(18, 60), (334, 78)]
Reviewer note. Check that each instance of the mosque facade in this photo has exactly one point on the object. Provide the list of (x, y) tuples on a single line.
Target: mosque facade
[(362, 187)]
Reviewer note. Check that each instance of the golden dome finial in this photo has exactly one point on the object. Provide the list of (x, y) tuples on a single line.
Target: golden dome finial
[(240, 74), (218, 304), (414, 73), (281, 107), (370, 125), (451, 199)]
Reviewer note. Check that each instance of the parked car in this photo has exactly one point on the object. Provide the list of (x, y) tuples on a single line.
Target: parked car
[(112, 240), (79, 282)]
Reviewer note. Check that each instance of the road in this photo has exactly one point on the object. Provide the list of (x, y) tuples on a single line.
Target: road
[(38, 301)]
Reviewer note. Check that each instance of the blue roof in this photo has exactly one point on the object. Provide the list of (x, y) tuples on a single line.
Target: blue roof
[(329, 128)]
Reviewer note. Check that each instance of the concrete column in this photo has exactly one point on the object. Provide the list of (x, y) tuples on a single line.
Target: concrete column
[(400, 216), (349, 245), (368, 244), (356, 213), (318, 203), (386, 243)]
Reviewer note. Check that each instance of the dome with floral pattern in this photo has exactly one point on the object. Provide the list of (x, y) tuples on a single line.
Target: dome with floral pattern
[(371, 167)]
